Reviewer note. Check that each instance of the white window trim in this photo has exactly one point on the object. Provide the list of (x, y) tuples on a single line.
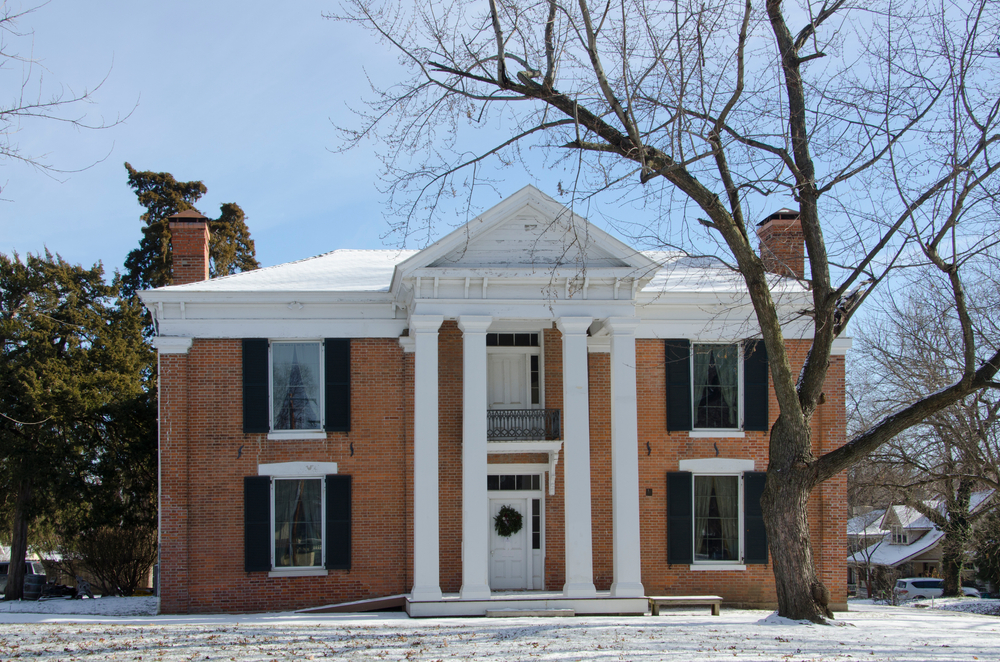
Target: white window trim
[(718, 466), (303, 471), (317, 433), (719, 432)]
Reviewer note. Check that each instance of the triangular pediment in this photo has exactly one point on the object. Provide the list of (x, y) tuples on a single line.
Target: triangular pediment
[(528, 230), (531, 237)]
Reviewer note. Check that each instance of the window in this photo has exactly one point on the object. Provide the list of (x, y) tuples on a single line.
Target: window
[(714, 386), (296, 389), (899, 536), (296, 386), (715, 519), (297, 523)]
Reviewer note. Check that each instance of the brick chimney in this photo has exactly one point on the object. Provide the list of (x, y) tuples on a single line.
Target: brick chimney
[(782, 244), (189, 247)]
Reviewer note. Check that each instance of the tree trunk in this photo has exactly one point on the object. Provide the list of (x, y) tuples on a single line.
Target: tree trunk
[(801, 596), (953, 549), (19, 542)]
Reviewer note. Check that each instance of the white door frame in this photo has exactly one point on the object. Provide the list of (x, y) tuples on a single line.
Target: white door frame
[(528, 496)]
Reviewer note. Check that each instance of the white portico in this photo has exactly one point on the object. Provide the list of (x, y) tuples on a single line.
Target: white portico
[(520, 268)]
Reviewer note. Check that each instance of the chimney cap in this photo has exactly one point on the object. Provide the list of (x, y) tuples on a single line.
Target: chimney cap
[(783, 214), (188, 216)]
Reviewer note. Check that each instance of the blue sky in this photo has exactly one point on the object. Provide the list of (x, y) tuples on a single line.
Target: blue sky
[(238, 95)]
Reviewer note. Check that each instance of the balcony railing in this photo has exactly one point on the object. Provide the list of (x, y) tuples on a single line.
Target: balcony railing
[(523, 425)]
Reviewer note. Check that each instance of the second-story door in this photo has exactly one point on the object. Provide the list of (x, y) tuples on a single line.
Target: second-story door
[(508, 381)]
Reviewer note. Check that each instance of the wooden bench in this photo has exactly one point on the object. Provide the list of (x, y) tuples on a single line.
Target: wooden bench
[(657, 601)]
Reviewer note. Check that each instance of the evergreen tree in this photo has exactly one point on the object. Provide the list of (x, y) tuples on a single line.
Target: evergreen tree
[(75, 417), (231, 249)]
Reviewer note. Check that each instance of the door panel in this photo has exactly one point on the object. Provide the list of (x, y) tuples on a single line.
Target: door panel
[(508, 381), (509, 556)]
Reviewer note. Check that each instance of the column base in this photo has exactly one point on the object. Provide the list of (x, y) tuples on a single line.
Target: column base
[(425, 593), (627, 590), (580, 590), (480, 592)]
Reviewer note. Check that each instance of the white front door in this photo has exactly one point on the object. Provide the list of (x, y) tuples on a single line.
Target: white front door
[(509, 556), (508, 381)]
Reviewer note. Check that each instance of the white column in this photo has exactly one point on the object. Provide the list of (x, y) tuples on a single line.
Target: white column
[(475, 502), (576, 458), (624, 460), (426, 562)]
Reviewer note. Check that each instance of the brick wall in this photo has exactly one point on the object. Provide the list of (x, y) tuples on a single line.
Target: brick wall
[(827, 507), (205, 456)]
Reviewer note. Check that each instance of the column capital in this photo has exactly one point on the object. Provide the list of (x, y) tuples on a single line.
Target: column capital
[(474, 323), (426, 323), (570, 326), (621, 326)]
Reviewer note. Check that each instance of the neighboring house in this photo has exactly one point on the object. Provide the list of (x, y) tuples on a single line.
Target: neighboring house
[(898, 537), (349, 426)]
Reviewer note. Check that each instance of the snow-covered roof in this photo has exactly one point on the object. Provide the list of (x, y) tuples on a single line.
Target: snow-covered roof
[(349, 270), (337, 271), (882, 553), (868, 524)]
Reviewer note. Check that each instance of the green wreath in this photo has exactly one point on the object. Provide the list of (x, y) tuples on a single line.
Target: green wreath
[(507, 522)]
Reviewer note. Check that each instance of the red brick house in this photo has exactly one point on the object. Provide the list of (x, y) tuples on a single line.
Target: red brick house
[(351, 426)]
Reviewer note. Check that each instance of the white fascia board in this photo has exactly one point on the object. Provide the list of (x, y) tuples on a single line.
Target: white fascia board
[(533, 274), (152, 297), (521, 309), (841, 346), (283, 328)]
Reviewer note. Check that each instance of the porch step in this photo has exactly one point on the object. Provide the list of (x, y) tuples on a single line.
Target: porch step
[(524, 613)]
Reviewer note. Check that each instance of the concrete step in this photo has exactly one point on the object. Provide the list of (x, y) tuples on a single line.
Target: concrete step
[(524, 613)]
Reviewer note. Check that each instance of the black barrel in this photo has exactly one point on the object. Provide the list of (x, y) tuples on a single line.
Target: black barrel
[(33, 586)]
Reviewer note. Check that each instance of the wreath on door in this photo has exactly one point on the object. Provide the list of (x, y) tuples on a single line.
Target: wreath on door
[(507, 522)]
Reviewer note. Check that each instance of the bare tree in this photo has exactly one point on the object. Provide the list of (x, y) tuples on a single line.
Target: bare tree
[(28, 97), (879, 120), (938, 466)]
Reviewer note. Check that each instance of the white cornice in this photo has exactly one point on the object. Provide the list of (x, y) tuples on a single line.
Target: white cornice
[(172, 344)]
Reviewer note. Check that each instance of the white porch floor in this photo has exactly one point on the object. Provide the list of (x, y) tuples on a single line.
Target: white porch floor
[(452, 605)]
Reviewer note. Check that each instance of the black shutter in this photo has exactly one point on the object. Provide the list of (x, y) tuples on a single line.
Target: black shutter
[(256, 416), (754, 534), (257, 523), (338, 384), (338, 522), (678, 357), (755, 386), (680, 544)]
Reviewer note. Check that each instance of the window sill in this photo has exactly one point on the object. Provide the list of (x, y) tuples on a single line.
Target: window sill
[(296, 572), (297, 434), (718, 566), (716, 434)]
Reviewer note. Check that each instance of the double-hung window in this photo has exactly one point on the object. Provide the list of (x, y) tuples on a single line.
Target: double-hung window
[(297, 523), (296, 388), (716, 387), (714, 517)]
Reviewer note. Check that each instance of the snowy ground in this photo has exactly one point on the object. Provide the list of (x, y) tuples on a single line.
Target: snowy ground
[(868, 632)]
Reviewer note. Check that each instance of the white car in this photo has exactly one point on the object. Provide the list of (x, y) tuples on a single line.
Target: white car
[(921, 588), (30, 568)]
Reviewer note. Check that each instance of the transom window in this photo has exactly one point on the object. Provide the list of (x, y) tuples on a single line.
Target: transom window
[(513, 482), (297, 508), (296, 385), (512, 340), (716, 385)]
